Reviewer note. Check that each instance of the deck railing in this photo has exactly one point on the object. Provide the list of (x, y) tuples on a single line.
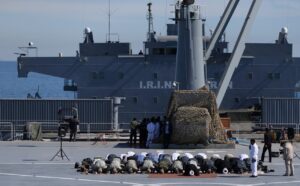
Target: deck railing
[(17, 129)]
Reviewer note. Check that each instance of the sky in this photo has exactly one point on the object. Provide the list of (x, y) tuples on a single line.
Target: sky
[(56, 26)]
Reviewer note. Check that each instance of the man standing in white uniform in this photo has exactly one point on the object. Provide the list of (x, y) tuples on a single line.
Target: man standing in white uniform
[(288, 155), (254, 157), (150, 130)]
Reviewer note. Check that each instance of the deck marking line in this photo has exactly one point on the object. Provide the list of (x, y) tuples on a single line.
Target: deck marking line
[(11, 174), (231, 184), (66, 178), (276, 183), (199, 183), (34, 163)]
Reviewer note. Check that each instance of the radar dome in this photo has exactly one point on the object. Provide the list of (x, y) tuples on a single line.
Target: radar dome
[(284, 30), (87, 30), (30, 43)]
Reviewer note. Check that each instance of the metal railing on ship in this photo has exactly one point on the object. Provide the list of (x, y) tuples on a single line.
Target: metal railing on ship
[(16, 130), (10, 131), (6, 131), (278, 126)]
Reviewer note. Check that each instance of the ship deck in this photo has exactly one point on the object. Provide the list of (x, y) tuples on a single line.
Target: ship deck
[(27, 163)]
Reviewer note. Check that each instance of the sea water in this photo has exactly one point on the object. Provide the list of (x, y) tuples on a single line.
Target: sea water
[(48, 87)]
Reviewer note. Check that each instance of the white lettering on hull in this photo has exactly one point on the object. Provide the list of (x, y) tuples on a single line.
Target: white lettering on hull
[(155, 85), (213, 85)]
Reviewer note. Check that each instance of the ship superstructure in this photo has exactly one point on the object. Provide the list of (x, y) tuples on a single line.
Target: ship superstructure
[(146, 80)]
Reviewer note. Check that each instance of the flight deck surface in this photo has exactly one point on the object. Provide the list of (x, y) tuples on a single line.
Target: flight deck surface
[(27, 163)]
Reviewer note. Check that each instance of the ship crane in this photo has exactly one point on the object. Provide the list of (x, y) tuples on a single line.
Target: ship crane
[(239, 46), (237, 51), (190, 60)]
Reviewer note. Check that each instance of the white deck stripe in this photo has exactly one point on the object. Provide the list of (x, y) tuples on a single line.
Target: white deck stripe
[(67, 178), (200, 183), (276, 183), (154, 184), (36, 163), (232, 184)]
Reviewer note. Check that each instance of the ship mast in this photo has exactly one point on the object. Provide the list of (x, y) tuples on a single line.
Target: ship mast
[(189, 60), (109, 16), (150, 22)]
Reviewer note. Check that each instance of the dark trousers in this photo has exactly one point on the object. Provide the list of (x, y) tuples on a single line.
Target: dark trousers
[(269, 148), (143, 139), (166, 140), (73, 134), (133, 136)]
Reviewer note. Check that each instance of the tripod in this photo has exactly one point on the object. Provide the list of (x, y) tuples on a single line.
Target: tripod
[(60, 152)]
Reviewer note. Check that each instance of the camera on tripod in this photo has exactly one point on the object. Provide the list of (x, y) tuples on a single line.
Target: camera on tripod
[(62, 130)]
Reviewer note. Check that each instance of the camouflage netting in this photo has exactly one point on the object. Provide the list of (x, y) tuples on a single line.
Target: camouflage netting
[(193, 124), (33, 131), (195, 117)]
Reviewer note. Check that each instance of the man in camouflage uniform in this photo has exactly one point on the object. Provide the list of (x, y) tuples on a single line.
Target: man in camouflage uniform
[(133, 131)]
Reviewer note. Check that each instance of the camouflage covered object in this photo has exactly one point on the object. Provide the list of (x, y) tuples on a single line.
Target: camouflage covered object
[(193, 124), (195, 117), (33, 131)]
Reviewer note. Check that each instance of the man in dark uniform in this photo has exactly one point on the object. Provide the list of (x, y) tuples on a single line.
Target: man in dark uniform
[(268, 145), (143, 133), (166, 132), (290, 133), (73, 122)]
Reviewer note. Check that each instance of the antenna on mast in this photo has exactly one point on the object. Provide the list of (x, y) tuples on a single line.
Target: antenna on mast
[(109, 16), (150, 22), (109, 34)]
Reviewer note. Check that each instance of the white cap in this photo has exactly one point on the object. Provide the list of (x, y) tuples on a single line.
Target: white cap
[(144, 153), (243, 156), (175, 156), (189, 155), (123, 156), (216, 156), (228, 156), (130, 153), (203, 155)]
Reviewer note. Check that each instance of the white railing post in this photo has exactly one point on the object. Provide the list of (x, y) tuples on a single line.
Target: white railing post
[(12, 131), (89, 131)]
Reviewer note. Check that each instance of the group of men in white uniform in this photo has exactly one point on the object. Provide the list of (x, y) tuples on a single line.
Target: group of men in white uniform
[(153, 129), (156, 128)]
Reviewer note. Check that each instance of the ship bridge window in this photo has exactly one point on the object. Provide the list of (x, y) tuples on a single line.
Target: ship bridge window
[(270, 76), (217, 75), (158, 51), (237, 99), (155, 100), (171, 51), (94, 75), (250, 75), (155, 75), (97, 75), (121, 75), (100, 75), (135, 100)]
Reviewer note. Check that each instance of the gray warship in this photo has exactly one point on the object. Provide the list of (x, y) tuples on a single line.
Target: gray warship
[(144, 81)]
